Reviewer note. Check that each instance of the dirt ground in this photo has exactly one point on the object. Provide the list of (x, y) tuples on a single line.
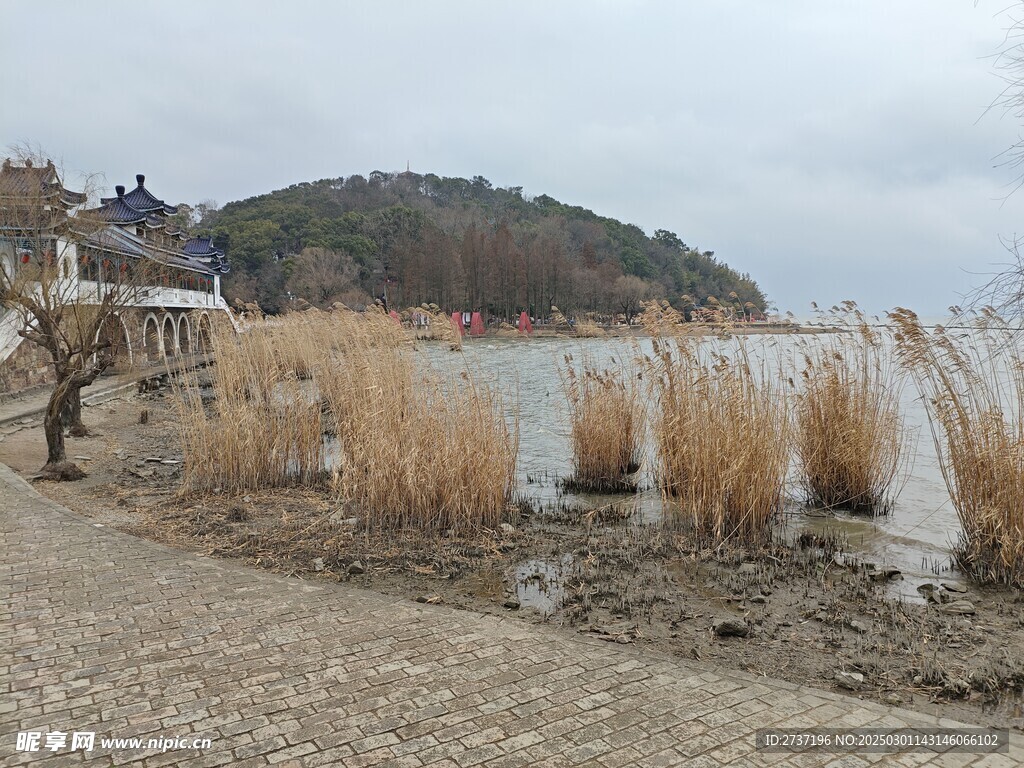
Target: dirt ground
[(806, 613)]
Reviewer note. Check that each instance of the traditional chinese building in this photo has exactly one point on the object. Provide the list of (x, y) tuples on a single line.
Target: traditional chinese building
[(133, 235)]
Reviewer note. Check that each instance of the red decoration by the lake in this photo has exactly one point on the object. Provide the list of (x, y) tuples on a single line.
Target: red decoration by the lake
[(476, 325), (457, 321), (525, 326)]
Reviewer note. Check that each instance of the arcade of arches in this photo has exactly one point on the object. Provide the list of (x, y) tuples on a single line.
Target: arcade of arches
[(169, 334), (134, 337)]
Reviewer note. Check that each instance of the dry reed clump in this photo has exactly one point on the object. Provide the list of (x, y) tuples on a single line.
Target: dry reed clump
[(410, 449), (973, 387), (263, 428), (659, 318), (721, 433), (559, 321), (850, 435), (588, 329), (607, 428), (417, 450)]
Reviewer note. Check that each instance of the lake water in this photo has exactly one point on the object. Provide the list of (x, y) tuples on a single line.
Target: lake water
[(915, 537)]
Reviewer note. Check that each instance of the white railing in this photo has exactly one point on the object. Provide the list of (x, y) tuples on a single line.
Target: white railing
[(153, 296)]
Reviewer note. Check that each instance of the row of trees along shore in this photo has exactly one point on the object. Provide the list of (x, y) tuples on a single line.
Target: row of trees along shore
[(462, 244)]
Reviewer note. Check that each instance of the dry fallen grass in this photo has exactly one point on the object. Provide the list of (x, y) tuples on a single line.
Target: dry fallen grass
[(607, 427), (409, 450), (588, 329), (973, 387), (721, 434), (850, 435)]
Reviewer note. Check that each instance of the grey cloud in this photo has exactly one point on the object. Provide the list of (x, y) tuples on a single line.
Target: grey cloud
[(834, 150)]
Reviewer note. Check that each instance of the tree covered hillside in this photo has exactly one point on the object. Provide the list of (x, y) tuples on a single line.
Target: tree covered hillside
[(462, 244)]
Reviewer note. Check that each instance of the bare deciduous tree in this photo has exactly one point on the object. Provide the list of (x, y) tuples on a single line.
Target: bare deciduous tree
[(321, 276), (42, 299), (629, 291)]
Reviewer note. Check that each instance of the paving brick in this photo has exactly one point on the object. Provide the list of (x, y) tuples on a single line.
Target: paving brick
[(103, 631)]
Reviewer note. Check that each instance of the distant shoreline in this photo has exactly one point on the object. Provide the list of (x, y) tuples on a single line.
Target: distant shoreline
[(689, 329)]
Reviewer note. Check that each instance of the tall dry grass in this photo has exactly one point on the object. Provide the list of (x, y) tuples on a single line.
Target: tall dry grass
[(263, 427), (418, 450), (606, 417), (721, 434), (973, 387), (410, 448), (588, 329), (850, 435)]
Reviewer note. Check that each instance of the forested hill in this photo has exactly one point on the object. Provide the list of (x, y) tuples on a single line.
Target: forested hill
[(462, 244)]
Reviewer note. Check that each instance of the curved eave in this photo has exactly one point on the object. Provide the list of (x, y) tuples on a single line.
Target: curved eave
[(142, 199), (72, 199), (187, 264), (117, 211)]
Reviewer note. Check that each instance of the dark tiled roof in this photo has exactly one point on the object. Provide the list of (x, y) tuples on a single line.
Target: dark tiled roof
[(200, 246), (197, 253), (28, 181), (117, 210), (202, 251), (143, 200)]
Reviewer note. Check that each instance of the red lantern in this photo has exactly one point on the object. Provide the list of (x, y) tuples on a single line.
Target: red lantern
[(85, 259), (24, 258), (106, 263), (124, 266)]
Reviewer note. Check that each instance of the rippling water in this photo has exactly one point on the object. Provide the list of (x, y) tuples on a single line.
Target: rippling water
[(916, 537)]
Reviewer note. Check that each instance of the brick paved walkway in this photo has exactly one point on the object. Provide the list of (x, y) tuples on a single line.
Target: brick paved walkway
[(100, 631)]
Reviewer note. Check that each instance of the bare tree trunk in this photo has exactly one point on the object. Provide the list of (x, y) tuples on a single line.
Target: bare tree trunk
[(77, 428), (57, 465), (53, 426)]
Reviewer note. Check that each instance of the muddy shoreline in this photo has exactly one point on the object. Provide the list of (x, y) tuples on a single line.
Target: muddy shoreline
[(807, 613)]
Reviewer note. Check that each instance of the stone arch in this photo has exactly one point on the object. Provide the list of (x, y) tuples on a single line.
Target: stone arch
[(204, 333), (151, 338), (184, 333), (118, 355), (169, 336)]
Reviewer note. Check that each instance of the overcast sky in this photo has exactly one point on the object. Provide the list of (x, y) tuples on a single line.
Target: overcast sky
[(834, 149)]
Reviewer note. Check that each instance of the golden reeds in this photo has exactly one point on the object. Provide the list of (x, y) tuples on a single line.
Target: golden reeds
[(587, 329), (263, 427), (721, 433), (411, 450), (416, 450), (659, 318), (973, 387), (850, 434), (607, 428)]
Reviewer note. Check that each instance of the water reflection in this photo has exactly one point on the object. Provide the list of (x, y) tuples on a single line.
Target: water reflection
[(540, 584), (915, 537)]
